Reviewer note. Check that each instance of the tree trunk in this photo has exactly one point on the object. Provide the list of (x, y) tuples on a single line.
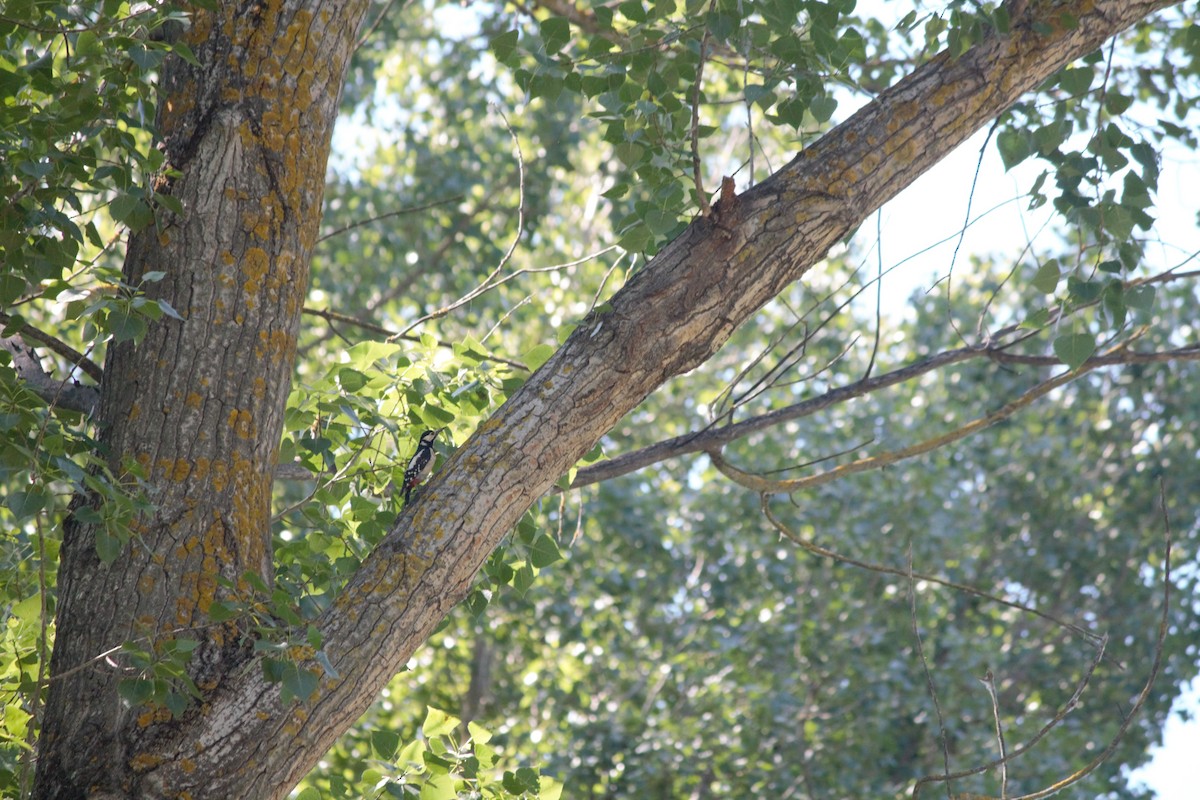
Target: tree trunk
[(198, 404)]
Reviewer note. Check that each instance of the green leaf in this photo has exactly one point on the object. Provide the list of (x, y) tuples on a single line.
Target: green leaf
[(660, 222), (385, 743), (11, 288), (1140, 298), (1074, 348), (503, 45), (135, 691), (297, 683), (25, 503), (1076, 80), (183, 51), (1046, 278), (544, 551), (479, 734), (538, 355), (822, 108), (633, 10), (108, 547), (629, 153), (549, 788), (439, 787), (1013, 146), (522, 580), (1083, 291), (351, 380), (556, 32), (220, 611), (439, 723)]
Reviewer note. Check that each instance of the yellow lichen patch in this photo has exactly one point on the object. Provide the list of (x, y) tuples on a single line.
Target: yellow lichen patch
[(220, 475), (152, 715), (187, 765), (144, 761), (258, 388), (181, 470), (241, 422), (254, 266), (193, 400), (201, 469), (275, 345), (300, 652), (135, 411), (227, 258), (145, 584)]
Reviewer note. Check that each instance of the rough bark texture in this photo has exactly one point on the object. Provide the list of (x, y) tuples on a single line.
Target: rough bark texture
[(198, 405), (173, 400)]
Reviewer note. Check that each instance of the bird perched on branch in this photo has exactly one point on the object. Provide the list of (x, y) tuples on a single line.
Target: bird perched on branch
[(421, 462)]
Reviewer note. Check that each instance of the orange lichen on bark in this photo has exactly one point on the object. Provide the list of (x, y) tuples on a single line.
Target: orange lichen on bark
[(255, 264), (242, 423), (275, 345)]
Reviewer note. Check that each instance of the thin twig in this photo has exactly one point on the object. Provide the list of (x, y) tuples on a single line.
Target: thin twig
[(334, 316), (1144, 695), (989, 681), (398, 212), (759, 484), (929, 685), (441, 312), (1101, 644), (878, 290), (707, 439), (818, 550)]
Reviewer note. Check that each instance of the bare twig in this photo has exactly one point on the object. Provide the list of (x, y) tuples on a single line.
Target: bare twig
[(697, 89), (710, 439), (397, 213), (334, 316), (1154, 668), (486, 285), (1062, 713), (1101, 644), (989, 682), (818, 550), (929, 685)]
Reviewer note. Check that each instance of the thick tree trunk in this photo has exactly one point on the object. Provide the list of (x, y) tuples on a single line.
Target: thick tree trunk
[(237, 265), (197, 406)]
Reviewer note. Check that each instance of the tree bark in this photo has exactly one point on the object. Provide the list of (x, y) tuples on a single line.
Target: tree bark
[(673, 315), (196, 407)]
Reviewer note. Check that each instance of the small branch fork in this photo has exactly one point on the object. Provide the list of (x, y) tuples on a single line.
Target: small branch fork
[(1098, 642), (1062, 713), (711, 441)]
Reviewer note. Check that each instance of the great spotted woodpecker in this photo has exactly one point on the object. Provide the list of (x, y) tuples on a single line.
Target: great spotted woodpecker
[(419, 465)]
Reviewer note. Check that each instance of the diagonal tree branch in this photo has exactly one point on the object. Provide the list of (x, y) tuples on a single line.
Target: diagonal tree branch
[(669, 318)]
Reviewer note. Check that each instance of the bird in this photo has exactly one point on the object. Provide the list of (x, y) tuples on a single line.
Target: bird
[(420, 463)]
